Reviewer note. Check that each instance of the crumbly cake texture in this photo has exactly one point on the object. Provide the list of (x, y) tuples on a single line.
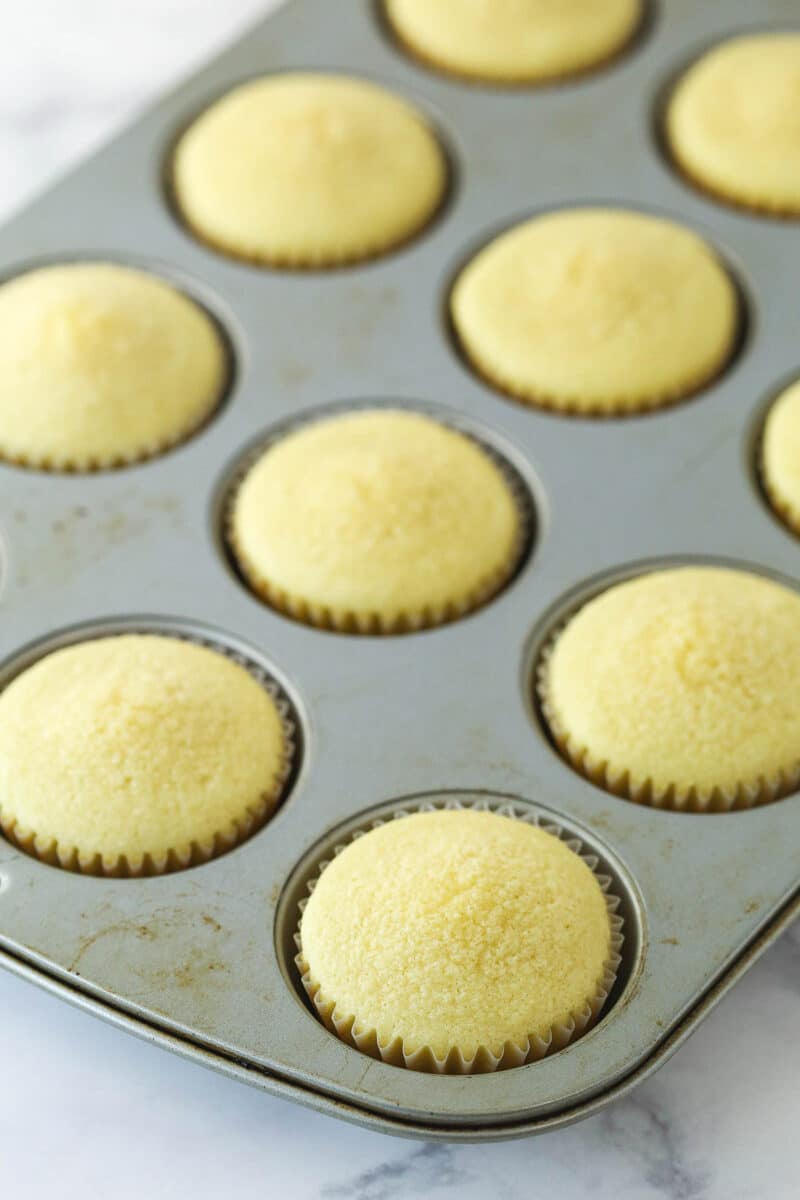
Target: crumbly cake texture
[(596, 311), (514, 41), (733, 122), (780, 456), (308, 170), (375, 521), (102, 365), (681, 688), (456, 936), (137, 753)]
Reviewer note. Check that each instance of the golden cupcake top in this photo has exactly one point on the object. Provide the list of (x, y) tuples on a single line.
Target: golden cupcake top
[(375, 520), (102, 365), (596, 311), (780, 455), (136, 749), (455, 930), (514, 41), (303, 169), (733, 122), (682, 687)]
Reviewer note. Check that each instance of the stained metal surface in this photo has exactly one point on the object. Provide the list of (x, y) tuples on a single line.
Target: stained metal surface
[(191, 960)]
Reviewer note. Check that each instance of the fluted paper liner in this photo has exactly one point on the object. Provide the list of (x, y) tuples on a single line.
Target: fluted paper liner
[(323, 616), (309, 262), (91, 464), (190, 853), (486, 1058), (783, 508), (617, 780), (71, 464), (616, 406), (762, 202), (516, 80)]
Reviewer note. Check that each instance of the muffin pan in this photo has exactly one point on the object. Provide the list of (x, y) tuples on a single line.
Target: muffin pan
[(201, 960)]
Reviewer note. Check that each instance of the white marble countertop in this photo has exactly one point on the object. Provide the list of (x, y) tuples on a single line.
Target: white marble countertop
[(88, 1110)]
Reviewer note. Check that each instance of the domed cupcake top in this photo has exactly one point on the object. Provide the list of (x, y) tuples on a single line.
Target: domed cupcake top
[(780, 455), (514, 41), (102, 365), (733, 122), (682, 688), (596, 311), (455, 933), (308, 170), (376, 520), (135, 753)]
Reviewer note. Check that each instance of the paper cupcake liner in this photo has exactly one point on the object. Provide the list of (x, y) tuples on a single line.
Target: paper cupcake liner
[(516, 80), (333, 619), (782, 507), (192, 852), (762, 204), (309, 261), (89, 464), (485, 1058), (570, 406), (618, 780)]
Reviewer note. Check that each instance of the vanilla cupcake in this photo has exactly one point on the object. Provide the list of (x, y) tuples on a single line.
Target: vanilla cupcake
[(458, 941), (681, 689), (732, 122), (376, 521), (308, 170), (780, 456), (514, 41), (596, 311), (137, 754), (102, 365)]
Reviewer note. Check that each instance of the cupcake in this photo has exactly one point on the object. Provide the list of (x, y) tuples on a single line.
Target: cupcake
[(596, 311), (505, 41), (732, 122), (457, 941), (137, 754), (780, 456), (681, 689), (308, 170), (102, 365), (376, 521)]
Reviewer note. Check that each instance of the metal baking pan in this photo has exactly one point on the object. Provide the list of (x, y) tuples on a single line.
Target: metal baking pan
[(200, 960)]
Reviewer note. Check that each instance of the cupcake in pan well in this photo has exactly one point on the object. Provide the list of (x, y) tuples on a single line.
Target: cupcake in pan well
[(780, 456), (137, 754), (308, 170), (681, 689), (458, 941), (376, 521), (102, 365), (596, 311), (514, 41), (732, 123)]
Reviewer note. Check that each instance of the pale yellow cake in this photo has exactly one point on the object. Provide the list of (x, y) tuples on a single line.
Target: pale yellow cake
[(780, 455), (682, 688), (135, 754), (309, 170), (514, 41), (596, 311), (102, 365), (376, 521), (733, 122), (459, 936)]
